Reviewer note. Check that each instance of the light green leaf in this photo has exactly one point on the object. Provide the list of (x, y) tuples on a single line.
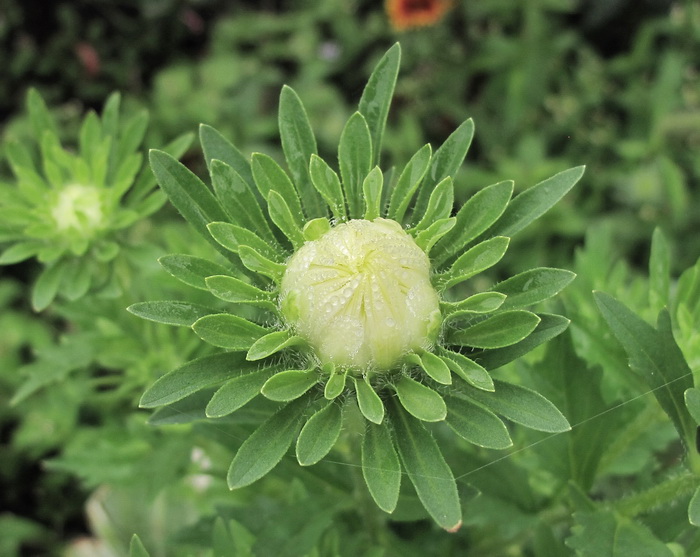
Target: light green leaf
[(372, 193), (290, 384), (427, 238), (419, 400), (327, 183), (522, 406), (19, 252), (282, 216), (474, 261), (319, 434), (692, 402), (192, 377), (535, 201), (228, 331), (446, 162), (136, 548), (217, 147), (433, 366), (298, 144), (131, 136), (483, 302), (381, 468), (355, 159), (533, 286), (191, 270), (694, 508), (46, 286), (238, 392), (474, 423), (409, 180), (468, 369), (376, 97), (427, 469), (254, 261), (502, 329), (659, 271), (39, 116), (439, 204), (183, 314), (232, 237), (316, 228), (335, 384), (263, 450), (236, 291), (272, 343), (368, 400)]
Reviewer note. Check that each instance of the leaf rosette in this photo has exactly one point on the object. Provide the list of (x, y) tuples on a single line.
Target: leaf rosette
[(358, 300)]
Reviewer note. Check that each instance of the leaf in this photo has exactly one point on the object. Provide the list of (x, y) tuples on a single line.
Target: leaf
[(187, 193), (282, 216), (469, 370), (483, 302), (263, 450), (474, 423), (298, 144), (477, 259), (692, 402), (439, 204), (433, 366), (535, 201), (372, 193), (272, 343), (136, 548), (408, 183), (191, 270), (238, 392), (232, 237), (217, 147), (327, 183), (39, 116), (694, 508), (522, 406), (182, 314), (236, 291), (369, 402), (381, 468), (654, 354), (18, 252), (659, 271), (427, 238), (533, 286), (426, 468), (228, 331), (419, 400), (335, 384), (316, 228), (290, 384), (605, 534), (355, 159), (46, 286), (254, 261), (319, 434), (502, 329), (185, 411), (269, 176), (376, 97), (446, 162), (192, 377)]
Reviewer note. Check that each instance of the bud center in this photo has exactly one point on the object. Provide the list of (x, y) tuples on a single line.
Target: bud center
[(361, 295)]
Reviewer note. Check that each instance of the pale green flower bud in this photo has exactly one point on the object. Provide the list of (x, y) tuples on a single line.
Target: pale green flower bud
[(78, 209), (361, 295)]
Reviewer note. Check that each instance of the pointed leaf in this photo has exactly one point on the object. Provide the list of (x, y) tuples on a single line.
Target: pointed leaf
[(427, 238), (355, 159), (319, 434), (191, 270), (502, 329), (477, 259), (474, 423), (237, 392), (282, 216), (254, 261), (269, 176), (409, 180), (217, 147), (136, 548), (439, 204), (272, 343), (232, 237), (289, 385), (182, 314), (381, 468), (469, 370), (228, 331), (236, 291), (46, 287), (420, 401), (372, 193), (533, 286), (483, 302), (316, 228), (327, 183), (369, 402), (692, 402)]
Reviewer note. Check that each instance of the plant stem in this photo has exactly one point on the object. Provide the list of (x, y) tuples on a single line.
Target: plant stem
[(658, 495)]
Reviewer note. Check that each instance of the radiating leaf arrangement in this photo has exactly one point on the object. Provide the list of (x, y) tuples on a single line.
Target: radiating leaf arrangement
[(257, 215), (68, 207)]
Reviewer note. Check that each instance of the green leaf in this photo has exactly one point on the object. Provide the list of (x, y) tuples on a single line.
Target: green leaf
[(474, 423), (232, 237), (355, 159), (692, 402), (238, 200), (376, 97), (39, 116), (439, 204), (420, 401), (182, 314), (217, 147), (272, 343), (381, 468), (282, 216), (319, 434), (409, 180), (187, 193), (136, 548), (238, 392), (477, 259), (236, 291), (655, 356), (502, 329), (533, 286), (263, 450), (427, 238), (522, 406), (369, 402), (20, 251), (535, 201), (433, 366), (446, 162), (269, 176), (427, 469), (606, 534), (228, 331), (185, 411), (694, 508), (254, 261), (46, 287), (316, 228), (335, 384), (483, 302), (549, 327), (191, 270), (290, 384), (659, 271), (327, 183), (372, 193), (468, 369), (192, 377), (298, 144)]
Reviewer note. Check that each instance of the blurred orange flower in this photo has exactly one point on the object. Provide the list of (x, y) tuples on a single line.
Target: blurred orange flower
[(406, 14)]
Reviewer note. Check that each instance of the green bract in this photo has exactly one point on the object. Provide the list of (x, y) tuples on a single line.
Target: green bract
[(68, 207), (349, 295)]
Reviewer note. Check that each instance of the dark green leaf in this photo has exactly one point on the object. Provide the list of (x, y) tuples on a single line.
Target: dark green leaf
[(282, 216), (381, 467), (420, 401), (272, 343), (319, 434), (327, 183), (439, 204), (474, 423), (254, 261), (533, 286), (477, 259), (217, 147), (427, 238), (236, 291), (183, 314), (692, 402), (502, 329), (237, 392), (355, 159), (232, 237), (468, 369), (483, 302), (369, 402), (228, 331), (290, 384), (408, 183), (269, 176), (191, 270)]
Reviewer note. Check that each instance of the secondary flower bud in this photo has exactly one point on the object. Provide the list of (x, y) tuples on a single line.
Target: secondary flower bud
[(361, 295)]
